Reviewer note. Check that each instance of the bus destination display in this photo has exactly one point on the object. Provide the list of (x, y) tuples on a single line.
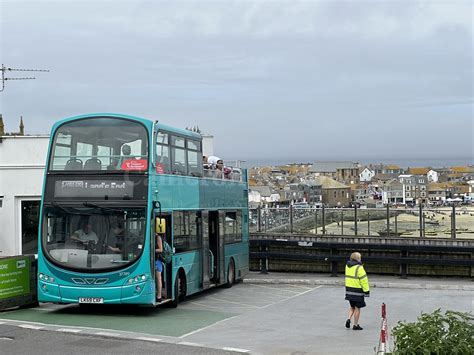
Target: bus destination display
[(93, 188)]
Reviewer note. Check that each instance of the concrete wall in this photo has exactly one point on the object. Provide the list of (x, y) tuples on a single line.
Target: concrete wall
[(22, 161)]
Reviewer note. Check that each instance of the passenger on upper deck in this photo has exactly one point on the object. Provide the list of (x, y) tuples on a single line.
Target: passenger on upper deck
[(223, 169), (205, 163), (212, 161)]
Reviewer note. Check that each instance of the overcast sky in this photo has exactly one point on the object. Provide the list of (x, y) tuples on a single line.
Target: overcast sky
[(269, 79)]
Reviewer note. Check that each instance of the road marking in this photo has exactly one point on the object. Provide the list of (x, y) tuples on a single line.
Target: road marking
[(236, 350), (68, 330), (240, 304), (289, 298), (2, 323), (211, 325), (190, 344), (276, 288), (108, 334), (203, 305), (6, 339), (156, 340), (30, 326)]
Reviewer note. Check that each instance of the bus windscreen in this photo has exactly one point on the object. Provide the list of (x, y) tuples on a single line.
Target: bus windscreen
[(98, 144), (93, 238)]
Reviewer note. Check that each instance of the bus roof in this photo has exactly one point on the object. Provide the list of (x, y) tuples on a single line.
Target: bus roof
[(147, 122)]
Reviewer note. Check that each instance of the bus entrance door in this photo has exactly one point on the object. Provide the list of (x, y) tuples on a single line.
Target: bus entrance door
[(206, 266), (216, 248), (167, 269)]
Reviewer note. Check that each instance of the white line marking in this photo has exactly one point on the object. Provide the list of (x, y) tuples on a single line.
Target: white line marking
[(276, 288), (240, 304), (156, 340), (236, 350), (108, 334), (54, 326), (289, 298), (6, 339), (211, 325), (68, 330), (2, 323), (203, 305), (30, 326), (190, 344)]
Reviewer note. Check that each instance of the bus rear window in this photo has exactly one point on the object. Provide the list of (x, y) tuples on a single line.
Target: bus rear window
[(101, 143)]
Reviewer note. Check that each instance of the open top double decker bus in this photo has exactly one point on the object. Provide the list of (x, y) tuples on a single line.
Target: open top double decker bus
[(111, 182)]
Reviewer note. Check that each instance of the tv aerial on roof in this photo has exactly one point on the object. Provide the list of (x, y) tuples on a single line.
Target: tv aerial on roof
[(5, 69)]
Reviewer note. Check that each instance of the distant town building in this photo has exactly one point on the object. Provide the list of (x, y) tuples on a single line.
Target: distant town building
[(262, 195), (366, 175), (346, 172), (334, 193), (438, 192), (393, 192), (433, 176), (415, 188), (313, 192), (386, 169), (293, 193)]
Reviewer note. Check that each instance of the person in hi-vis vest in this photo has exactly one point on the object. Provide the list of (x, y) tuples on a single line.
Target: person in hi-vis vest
[(357, 288)]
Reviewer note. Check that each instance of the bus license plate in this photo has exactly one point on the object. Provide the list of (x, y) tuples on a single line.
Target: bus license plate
[(91, 300)]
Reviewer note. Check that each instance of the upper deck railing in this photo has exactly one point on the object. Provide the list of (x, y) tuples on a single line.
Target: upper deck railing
[(444, 222)]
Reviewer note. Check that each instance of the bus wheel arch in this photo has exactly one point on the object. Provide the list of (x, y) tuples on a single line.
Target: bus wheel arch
[(230, 273), (179, 288)]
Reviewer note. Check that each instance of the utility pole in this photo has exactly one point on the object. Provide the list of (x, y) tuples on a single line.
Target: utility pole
[(5, 69)]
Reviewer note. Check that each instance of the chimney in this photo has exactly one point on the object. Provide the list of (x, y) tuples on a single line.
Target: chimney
[(2, 126), (22, 127)]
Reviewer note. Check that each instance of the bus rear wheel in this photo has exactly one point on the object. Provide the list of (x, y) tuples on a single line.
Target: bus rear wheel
[(230, 274)]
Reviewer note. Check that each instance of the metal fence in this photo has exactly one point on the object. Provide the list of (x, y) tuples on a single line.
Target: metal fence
[(443, 222)]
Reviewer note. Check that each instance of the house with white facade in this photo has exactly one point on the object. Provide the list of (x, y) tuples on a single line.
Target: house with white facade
[(432, 176), (265, 194), (22, 162), (366, 175)]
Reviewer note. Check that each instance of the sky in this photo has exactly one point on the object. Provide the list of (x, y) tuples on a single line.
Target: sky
[(295, 80)]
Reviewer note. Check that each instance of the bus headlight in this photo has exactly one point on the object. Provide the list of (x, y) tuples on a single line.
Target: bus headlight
[(138, 278), (46, 278)]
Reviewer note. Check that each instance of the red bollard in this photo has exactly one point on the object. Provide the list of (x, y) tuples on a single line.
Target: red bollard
[(383, 332)]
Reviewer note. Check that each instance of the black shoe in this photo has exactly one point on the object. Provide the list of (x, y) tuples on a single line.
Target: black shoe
[(158, 300), (357, 327), (348, 323)]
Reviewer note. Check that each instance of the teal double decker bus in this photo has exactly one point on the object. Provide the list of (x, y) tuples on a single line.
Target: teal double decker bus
[(111, 183)]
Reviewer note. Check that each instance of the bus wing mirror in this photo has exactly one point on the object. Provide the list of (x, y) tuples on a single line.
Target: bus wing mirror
[(160, 225)]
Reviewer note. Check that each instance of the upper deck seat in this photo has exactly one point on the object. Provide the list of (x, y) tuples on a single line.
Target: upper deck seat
[(93, 164), (73, 164)]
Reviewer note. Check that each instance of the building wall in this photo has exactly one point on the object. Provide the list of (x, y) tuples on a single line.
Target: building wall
[(336, 197), (22, 161)]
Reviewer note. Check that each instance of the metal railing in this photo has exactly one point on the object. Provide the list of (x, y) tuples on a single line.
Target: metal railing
[(442, 222)]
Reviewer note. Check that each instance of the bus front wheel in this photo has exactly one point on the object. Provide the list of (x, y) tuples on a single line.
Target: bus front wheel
[(230, 274), (179, 290)]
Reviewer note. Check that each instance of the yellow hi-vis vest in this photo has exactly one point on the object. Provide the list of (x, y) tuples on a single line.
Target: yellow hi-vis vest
[(357, 283)]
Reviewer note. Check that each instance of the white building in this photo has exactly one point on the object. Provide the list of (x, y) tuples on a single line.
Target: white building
[(471, 190), (433, 176), (22, 161), (366, 175)]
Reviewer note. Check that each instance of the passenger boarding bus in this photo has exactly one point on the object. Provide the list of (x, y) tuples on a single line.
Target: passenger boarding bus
[(111, 183)]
